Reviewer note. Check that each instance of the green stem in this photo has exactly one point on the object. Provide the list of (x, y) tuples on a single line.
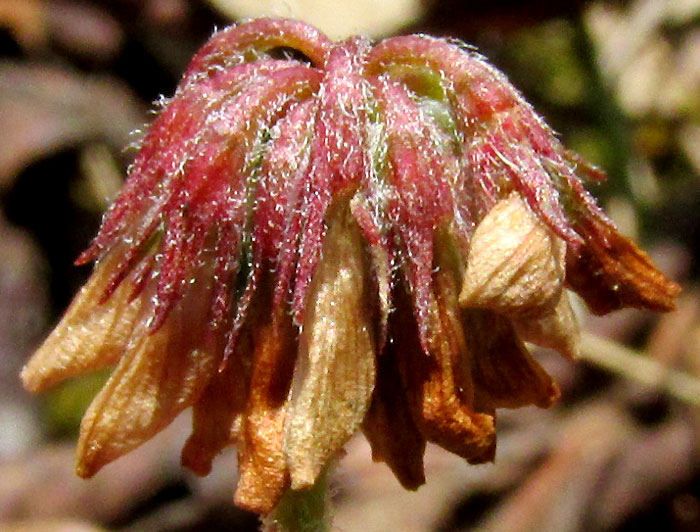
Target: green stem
[(302, 511)]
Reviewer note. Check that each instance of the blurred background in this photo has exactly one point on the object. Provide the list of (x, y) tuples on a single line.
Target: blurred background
[(619, 80)]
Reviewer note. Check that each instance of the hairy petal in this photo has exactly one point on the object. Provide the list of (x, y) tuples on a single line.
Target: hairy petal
[(335, 371), (439, 383), (217, 187), (230, 45), (171, 141), (422, 196), (339, 160), (505, 144)]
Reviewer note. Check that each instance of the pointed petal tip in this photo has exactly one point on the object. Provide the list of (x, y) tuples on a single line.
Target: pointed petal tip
[(411, 483), (410, 478), (257, 495), (505, 373), (89, 458), (193, 459), (91, 335), (32, 378), (486, 456), (137, 402), (83, 470), (389, 427), (611, 272), (304, 473), (386, 447), (550, 397), (49, 366)]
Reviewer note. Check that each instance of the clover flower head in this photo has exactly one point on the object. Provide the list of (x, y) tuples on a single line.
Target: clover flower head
[(318, 238)]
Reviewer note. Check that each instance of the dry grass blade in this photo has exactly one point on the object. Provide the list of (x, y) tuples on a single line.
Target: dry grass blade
[(627, 362)]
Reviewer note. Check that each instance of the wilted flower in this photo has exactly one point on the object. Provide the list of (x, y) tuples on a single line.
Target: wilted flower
[(321, 237)]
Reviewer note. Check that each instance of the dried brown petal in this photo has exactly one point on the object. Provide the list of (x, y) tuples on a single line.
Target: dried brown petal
[(90, 335), (515, 264), (439, 385), (611, 272), (217, 413), (389, 427), (381, 265), (264, 474), (159, 375), (335, 371), (557, 330), (504, 371)]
